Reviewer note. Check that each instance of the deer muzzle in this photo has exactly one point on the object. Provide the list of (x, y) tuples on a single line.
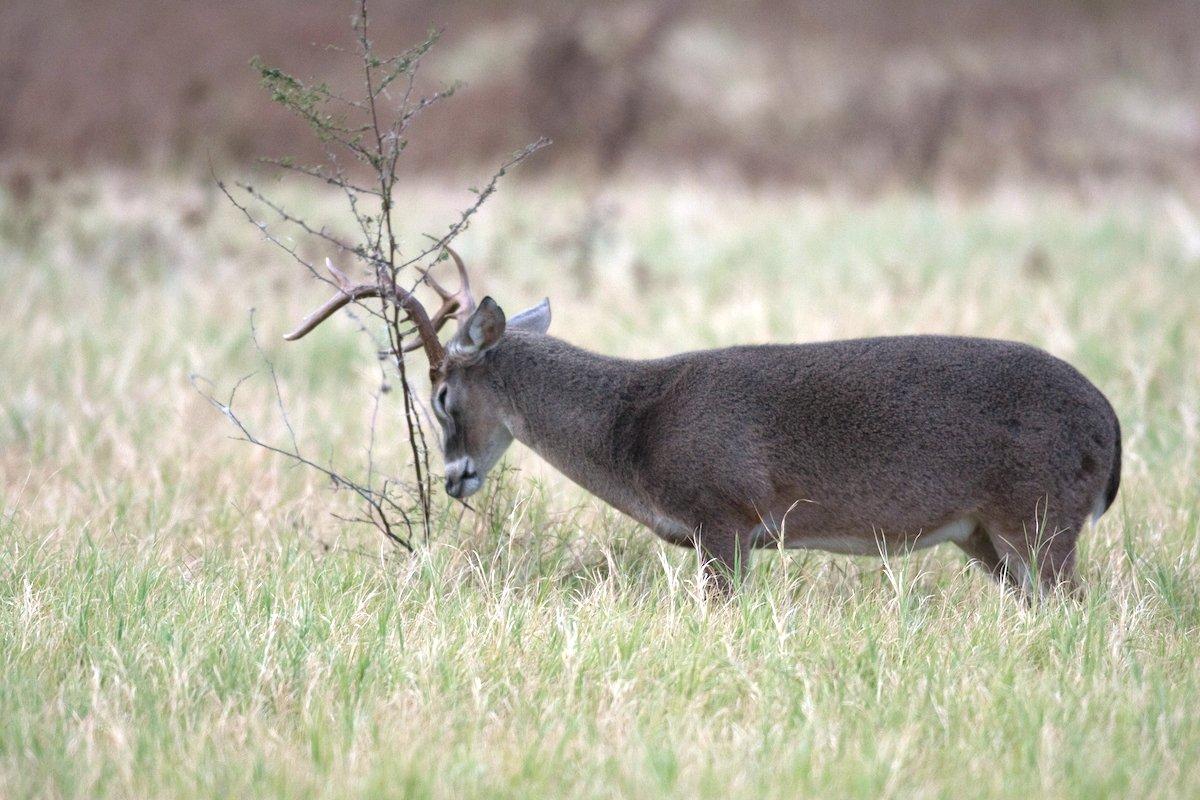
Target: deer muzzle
[(462, 479)]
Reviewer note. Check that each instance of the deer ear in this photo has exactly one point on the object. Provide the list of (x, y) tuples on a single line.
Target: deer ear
[(534, 320), (481, 331)]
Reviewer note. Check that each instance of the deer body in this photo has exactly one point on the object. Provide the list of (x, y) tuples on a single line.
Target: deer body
[(864, 446)]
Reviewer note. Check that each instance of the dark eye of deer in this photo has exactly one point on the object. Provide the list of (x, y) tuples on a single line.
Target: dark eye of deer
[(440, 404)]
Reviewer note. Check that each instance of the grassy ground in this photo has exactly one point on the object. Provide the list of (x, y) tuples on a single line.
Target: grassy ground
[(180, 616)]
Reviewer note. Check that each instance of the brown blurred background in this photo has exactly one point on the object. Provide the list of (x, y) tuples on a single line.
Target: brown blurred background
[(856, 94)]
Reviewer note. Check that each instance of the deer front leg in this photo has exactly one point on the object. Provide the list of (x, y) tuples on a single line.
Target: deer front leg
[(726, 554)]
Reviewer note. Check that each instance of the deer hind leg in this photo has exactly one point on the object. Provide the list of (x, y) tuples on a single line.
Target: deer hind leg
[(1040, 553)]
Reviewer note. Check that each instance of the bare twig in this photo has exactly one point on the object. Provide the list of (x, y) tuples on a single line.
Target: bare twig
[(275, 384), (381, 504), (372, 130)]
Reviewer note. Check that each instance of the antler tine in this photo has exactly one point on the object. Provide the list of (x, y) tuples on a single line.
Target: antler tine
[(466, 300), (457, 304), (348, 293)]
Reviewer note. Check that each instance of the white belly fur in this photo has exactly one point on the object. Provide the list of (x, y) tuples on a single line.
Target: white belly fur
[(867, 545)]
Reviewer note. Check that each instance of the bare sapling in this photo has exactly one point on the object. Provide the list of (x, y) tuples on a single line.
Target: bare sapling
[(364, 138)]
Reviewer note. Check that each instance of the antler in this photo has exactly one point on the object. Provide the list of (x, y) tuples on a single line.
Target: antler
[(426, 330), (458, 304)]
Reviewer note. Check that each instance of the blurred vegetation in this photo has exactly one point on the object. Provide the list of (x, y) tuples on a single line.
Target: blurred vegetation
[(181, 616), (850, 94)]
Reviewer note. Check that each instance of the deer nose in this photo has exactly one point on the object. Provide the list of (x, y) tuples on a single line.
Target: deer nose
[(461, 477)]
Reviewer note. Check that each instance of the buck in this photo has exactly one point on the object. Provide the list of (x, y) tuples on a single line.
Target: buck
[(867, 446)]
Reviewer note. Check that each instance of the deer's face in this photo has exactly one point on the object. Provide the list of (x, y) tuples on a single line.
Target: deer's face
[(474, 435), (466, 404)]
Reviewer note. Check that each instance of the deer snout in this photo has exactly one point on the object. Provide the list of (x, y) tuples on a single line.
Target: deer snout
[(462, 480)]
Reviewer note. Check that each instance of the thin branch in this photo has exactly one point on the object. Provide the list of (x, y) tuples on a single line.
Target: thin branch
[(315, 172), (380, 504), (275, 383), (482, 196), (291, 251), (287, 216), (359, 127)]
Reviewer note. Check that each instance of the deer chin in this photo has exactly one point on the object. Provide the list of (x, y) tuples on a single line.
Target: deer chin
[(462, 479), (463, 488)]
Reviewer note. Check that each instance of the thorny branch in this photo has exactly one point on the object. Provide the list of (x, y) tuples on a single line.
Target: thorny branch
[(373, 131), (383, 507)]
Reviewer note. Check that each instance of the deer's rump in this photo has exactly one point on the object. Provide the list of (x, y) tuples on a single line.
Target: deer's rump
[(890, 436)]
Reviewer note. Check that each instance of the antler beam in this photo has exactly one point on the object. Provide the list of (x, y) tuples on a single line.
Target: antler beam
[(349, 293)]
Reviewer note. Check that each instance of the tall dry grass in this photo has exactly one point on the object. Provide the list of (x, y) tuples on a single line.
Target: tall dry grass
[(180, 616)]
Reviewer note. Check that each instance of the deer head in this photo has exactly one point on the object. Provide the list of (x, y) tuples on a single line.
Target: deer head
[(474, 436)]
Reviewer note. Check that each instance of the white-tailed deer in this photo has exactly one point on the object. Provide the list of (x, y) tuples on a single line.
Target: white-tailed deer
[(866, 446)]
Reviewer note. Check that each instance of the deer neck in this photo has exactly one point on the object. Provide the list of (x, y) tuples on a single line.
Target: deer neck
[(566, 404)]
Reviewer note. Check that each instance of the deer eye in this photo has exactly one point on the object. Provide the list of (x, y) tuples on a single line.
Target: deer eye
[(440, 400)]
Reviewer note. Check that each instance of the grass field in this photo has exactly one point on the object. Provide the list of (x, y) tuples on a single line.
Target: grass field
[(181, 616)]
